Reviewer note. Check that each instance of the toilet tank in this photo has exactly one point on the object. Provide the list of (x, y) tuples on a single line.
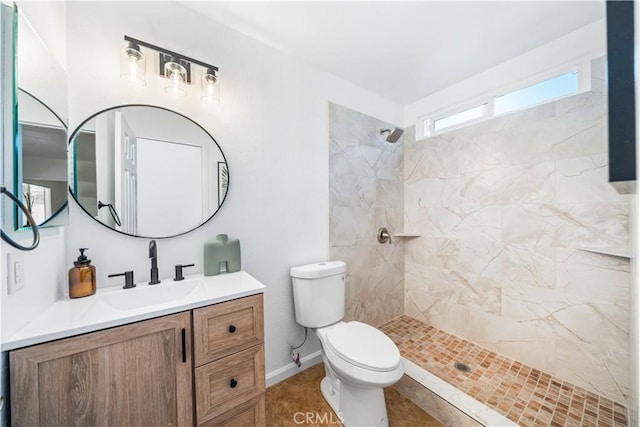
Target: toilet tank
[(318, 293)]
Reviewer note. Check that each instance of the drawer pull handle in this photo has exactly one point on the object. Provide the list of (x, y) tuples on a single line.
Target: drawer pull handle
[(232, 329), (233, 383)]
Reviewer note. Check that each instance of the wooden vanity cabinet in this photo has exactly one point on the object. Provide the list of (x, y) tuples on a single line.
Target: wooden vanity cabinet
[(144, 374), (134, 375), (229, 363)]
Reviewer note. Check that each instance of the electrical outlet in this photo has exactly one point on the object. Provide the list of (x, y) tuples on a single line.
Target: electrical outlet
[(15, 272)]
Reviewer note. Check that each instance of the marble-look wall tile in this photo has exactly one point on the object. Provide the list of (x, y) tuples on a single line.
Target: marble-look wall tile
[(351, 223), (503, 207), (572, 132), (480, 222), (592, 224), (528, 264), (388, 193), (355, 191), (590, 275), (584, 179), (508, 185), (440, 290), (366, 192), (429, 192), (435, 159)]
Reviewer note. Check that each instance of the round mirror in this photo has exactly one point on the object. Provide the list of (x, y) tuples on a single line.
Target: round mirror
[(41, 161), (146, 171)]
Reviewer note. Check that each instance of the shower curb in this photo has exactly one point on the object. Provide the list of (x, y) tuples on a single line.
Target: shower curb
[(466, 404)]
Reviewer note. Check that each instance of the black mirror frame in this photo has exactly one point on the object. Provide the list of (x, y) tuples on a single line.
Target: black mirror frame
[(79, 128)]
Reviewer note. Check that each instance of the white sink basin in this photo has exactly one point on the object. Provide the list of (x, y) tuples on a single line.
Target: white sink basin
[(144, 295)]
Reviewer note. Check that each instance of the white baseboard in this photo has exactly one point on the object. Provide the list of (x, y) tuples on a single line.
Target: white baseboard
[(290, 369)]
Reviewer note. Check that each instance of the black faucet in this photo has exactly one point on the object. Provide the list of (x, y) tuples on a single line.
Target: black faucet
[(153, 254)]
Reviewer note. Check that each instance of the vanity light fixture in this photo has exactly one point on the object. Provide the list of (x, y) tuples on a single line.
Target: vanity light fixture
[(209, 87), (180, 71), (132, 64)]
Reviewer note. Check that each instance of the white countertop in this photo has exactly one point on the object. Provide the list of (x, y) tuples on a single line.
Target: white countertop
[(116, 306)]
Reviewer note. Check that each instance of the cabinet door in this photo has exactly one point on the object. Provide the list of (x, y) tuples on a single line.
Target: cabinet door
[(133, 375)]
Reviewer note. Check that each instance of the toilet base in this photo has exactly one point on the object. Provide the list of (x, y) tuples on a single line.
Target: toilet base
[(355, 406)]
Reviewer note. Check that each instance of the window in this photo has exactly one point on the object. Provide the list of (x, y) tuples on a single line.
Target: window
[(461, 117), (547, 90), (494, 104)]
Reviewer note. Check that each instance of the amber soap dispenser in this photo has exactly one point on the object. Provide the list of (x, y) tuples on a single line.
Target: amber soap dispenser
[(82, 277)]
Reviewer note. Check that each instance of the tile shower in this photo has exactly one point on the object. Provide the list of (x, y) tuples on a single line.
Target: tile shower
[(508, 211), (366, 184)]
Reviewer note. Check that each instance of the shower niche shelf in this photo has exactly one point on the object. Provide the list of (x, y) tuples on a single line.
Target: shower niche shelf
[(617, 252)]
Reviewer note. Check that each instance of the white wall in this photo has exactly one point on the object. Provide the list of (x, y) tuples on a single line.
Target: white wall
[(41, 53), (48, 18), (44, 273), (271, 125)]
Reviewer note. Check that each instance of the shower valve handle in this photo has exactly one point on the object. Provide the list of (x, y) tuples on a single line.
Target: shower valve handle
[(384, 236)]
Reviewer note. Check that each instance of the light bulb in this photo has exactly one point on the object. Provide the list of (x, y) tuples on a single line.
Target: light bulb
[(132, 64), (177, 75), (210, 87)]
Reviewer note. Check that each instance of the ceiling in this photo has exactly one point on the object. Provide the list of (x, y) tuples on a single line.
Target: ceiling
[(404, 51)]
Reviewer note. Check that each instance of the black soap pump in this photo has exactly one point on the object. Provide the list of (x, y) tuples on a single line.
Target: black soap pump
[(82, 277)]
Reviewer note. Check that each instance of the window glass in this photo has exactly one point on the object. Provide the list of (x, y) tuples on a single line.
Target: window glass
[(556, 87), (461, 117)]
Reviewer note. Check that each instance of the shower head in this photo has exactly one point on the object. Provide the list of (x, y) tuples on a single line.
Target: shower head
[(394, 134)]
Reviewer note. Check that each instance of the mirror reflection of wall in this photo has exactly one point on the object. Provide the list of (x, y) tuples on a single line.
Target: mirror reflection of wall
[(84, 187), (41, 160), (147, 171)]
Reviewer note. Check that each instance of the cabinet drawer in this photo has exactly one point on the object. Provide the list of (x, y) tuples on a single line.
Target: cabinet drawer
[(229, 382), (249, 414), (223, 329)]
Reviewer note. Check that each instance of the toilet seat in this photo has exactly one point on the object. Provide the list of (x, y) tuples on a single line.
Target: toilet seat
[(363, 346)]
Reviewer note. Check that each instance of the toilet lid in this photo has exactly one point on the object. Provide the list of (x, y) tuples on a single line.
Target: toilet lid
[(364, 346)]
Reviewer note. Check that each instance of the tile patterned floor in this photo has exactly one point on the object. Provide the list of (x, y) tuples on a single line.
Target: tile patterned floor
[(525, 395), (297, 401)]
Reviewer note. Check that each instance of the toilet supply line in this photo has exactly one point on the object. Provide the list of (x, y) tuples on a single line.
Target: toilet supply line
[(295, 355)]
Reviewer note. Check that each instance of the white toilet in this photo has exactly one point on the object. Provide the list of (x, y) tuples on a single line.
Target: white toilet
[(359, 360)]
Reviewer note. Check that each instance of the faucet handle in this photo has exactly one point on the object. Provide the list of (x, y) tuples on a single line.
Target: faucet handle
[(153, 249), (128, 279), (179, 268)]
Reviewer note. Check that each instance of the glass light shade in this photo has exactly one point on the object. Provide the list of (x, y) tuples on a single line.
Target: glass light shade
[(177, 75), (210, 88), (133, 66)]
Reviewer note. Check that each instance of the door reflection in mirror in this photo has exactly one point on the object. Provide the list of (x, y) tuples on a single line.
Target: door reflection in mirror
[(157, 168)]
